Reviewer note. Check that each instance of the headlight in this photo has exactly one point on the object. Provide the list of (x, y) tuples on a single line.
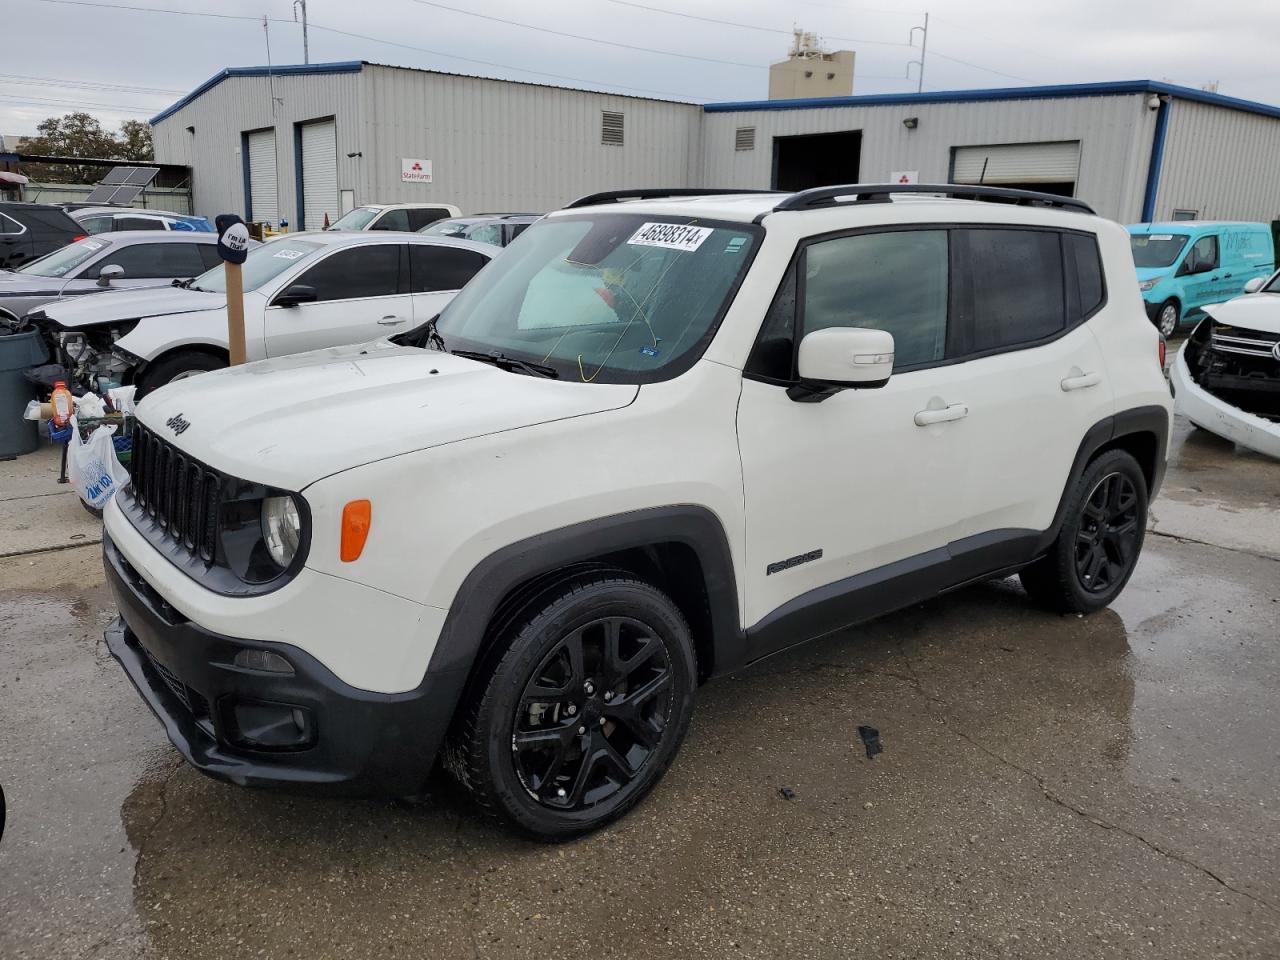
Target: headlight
[(281, 529), (1146, 285)]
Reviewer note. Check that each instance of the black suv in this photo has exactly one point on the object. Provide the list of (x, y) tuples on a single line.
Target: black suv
[(30, 230)]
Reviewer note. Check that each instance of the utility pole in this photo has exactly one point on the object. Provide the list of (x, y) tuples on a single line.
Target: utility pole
[(924, 46), (306, 53)]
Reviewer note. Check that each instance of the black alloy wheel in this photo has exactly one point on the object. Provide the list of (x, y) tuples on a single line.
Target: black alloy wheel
[(579, 706), (592, 713), (1106, 539)]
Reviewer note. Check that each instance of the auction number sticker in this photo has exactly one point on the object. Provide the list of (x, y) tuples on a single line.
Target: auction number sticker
[(290, 254), (672, 236), (91, 244)]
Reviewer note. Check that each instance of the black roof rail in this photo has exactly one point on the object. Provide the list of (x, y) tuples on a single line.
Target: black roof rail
[(883, 192), (652, 193)]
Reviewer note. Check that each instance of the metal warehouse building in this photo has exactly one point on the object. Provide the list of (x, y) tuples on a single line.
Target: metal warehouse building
[(305, 142)]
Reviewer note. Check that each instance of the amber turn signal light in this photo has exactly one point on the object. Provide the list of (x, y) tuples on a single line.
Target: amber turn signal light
[(357, 516)]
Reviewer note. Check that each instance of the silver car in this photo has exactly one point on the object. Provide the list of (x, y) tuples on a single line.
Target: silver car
[(107, 261)]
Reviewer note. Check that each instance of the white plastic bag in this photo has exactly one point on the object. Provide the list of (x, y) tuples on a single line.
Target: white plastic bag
[(93, 467), (122, 399), (90, 405)]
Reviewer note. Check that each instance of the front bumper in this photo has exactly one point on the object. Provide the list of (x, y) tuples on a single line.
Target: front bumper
[(1217, 416), (348, 740)]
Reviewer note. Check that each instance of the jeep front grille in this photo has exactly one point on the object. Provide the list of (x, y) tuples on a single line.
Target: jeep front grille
[(179, 493)]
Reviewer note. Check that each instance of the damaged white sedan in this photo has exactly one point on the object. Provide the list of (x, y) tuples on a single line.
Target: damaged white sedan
[(1226, 377)]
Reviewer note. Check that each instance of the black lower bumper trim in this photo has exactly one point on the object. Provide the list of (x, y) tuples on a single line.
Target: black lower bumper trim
[(358, 742)]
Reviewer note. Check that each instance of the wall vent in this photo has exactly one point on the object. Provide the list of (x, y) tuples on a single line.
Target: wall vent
[(745, 138), (611, 128)]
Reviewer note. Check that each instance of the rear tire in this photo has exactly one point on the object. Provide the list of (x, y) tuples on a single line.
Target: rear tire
[(1168, 318), (177, 366), (580, 709), (1101, 537)]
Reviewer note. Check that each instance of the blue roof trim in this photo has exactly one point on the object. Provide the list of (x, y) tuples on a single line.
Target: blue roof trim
[(289, 70), (1117, 88)]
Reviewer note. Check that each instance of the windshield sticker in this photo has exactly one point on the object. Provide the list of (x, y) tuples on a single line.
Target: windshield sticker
[(290, 254), (672, 236), (1162, 236), (735, 245), (90, 244), (649, 351)]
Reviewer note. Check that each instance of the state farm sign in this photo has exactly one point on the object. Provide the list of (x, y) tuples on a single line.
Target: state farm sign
[(415, 171)]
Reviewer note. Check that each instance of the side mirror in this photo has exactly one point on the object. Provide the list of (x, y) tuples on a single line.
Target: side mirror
[(112, 271), (1254, 285), (842, 357), (295, 294)]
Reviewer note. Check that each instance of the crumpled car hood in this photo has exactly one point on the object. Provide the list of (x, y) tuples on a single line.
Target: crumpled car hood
[(1257, 311)]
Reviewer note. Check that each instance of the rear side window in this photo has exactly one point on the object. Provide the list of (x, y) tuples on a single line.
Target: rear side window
[(441, 268), (1085, 290), (137, 223), (422, 216), (1016, 286), (156, 261), (10, 226), (887, 281), (363, 271)]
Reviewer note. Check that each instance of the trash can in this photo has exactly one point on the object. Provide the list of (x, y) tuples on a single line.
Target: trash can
[(20, 347)]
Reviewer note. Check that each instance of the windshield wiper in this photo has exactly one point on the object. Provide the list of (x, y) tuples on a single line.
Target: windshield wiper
[(184, 283), (510, 364)]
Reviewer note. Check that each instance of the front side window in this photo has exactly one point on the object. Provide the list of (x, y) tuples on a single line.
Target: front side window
[(445, 228), (1156, 249), (433, 268), (369, 270), (886, 281), (1203, 256), (392, 220), (263, 265), (490, 233), (1016, 288), (64, 260), (608, 298), (96, 224), (156, 261)]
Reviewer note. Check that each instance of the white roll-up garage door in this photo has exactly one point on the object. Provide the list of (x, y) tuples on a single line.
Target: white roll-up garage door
[(1013, 163), (262, 202), (319, 174)]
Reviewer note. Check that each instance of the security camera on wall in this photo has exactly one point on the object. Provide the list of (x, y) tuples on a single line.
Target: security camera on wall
[(1153, 102)]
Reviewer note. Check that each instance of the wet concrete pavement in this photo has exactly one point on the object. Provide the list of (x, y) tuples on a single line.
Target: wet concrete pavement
[(1050, 787)]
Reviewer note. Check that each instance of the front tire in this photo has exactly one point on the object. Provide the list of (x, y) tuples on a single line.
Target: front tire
[(1168, 317), (177, 366), (1101, 537), (588, 698)]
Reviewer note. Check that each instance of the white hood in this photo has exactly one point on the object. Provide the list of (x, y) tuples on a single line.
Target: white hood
[(291, 421), (1257, 311), (116, 305)]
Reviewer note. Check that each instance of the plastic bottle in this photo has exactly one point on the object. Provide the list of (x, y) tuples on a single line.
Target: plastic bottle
[(63, 404)]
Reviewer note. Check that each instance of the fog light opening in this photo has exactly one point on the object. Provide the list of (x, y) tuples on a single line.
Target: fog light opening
[(272, 726)]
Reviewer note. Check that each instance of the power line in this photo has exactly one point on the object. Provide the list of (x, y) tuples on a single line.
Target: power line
[(23, 81), (978, 66), (577, 36), (360, 36), (40, 101), (747, 26)]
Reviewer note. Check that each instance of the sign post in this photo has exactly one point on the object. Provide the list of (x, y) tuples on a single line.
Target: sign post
[(233, 247)]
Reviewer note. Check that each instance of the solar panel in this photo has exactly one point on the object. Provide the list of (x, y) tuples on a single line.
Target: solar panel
[(122, 185)]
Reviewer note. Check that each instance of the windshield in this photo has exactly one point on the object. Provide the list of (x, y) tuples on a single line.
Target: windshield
[(1156, 249), (445, 228), (63, 260), (357, 219), (263, 264), (613, 298)]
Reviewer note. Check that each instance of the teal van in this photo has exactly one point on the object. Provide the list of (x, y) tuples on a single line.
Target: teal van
[(1186, 264)]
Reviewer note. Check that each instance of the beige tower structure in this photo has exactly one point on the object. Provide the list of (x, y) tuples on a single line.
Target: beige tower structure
[(810, 71)]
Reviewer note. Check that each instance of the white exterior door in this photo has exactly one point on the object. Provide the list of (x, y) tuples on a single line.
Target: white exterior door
[(319, 174), (359, 297), (263, 202)]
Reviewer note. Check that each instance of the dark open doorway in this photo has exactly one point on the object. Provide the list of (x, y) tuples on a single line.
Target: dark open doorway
[(816, 160)]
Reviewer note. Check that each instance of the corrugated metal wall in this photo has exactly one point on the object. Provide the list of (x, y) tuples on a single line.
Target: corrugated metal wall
[(499, 146), (1221, 163), (241, 104), (1114, 132)]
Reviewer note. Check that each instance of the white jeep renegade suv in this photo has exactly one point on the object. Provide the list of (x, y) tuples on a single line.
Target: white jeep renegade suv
[(656, 440)]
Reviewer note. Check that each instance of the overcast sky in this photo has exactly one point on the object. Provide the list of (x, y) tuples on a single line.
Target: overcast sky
[(63, 55)]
